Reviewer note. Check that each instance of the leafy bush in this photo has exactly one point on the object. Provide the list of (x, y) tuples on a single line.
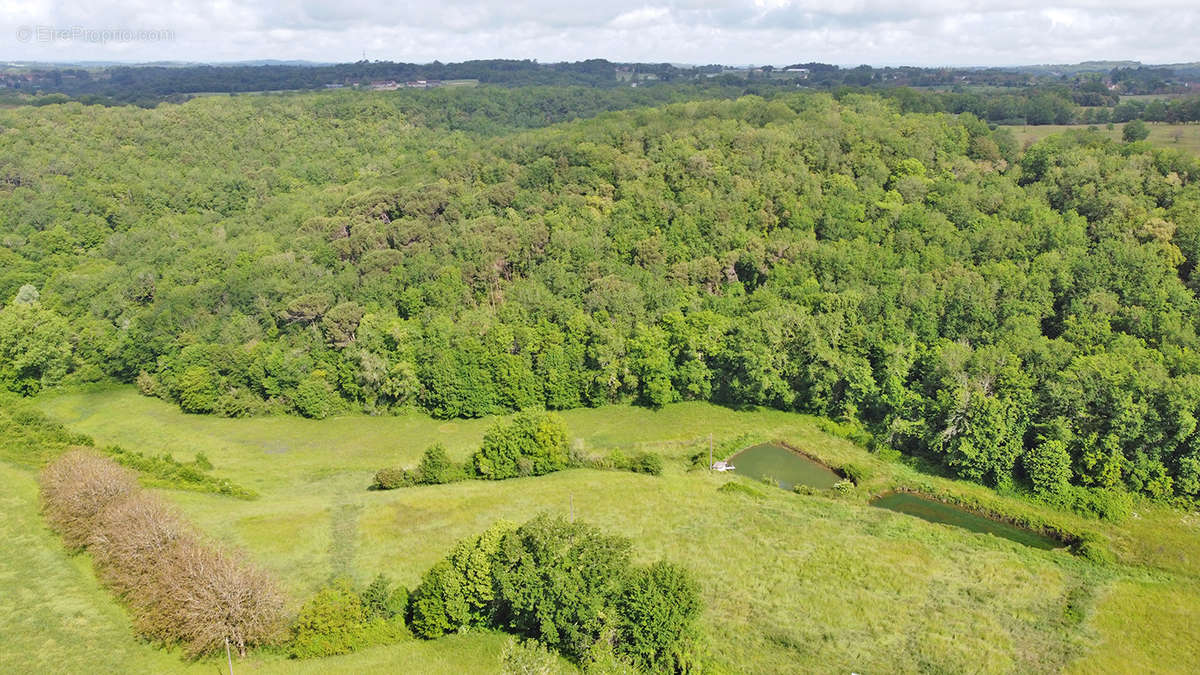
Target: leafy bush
[(1093, 548), (314, 399), (556, 581), (197, 390), (734, 487), (330, 623), (380, 600), (338, 620), (647, 462), (616, 459), (855, 473), (527, 657), (146, 383), (1048, 467), (172, 473), (532, 444), (439, 604), (390, 479), (29, 438), (437, 468), (658, 607), (458, 591), (567, 585), (236, 404), (1110, 505)]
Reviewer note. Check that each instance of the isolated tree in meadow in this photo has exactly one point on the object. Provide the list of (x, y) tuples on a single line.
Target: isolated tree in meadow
[(1135, 130)]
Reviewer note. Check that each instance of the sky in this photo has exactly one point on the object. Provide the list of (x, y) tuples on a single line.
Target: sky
[(779, 32)]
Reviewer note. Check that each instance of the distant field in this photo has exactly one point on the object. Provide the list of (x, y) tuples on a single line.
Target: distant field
[(790, 582), (1163, 135), (1151, 97)]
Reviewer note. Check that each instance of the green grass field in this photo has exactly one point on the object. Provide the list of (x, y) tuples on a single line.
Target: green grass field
[(791, 583), (1184, 137)]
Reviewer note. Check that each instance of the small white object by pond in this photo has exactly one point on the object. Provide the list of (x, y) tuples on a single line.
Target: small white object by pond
[(722, 466)]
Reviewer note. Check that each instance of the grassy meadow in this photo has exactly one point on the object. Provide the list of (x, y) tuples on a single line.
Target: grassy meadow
[(1184, 137), (790, 582)]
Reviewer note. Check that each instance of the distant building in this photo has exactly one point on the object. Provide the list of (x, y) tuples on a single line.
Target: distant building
[(386, 85)]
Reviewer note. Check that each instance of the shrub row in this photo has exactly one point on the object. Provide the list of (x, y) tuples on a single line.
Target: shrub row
[(29, 438), (531, 444), (567, 585), (179, 588), (170, 472)]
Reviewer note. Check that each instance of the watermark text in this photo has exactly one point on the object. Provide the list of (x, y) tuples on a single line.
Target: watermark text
[(49, 34)]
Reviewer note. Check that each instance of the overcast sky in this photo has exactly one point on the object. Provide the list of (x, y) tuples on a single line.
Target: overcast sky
[(848, 32)]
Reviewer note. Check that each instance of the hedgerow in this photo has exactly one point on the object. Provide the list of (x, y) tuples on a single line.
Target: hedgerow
[(179, 589)]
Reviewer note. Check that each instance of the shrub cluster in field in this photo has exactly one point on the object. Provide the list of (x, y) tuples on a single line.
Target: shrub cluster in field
[(340, 619), (531, 444), (567, 585), (179, 588)]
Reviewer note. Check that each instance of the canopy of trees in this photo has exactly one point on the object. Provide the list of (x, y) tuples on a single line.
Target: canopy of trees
[(1027, 317)]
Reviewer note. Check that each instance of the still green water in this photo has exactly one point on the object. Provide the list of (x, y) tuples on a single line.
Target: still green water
[(785, 467), (937, 512)]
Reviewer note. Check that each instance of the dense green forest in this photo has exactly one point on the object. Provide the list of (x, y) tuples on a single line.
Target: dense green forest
[(1019, 317)]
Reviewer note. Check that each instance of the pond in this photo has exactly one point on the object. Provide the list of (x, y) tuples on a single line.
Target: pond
[(785, 467), (937, 512)]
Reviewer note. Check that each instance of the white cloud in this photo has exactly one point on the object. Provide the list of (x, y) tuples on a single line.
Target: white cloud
[(919, 32)]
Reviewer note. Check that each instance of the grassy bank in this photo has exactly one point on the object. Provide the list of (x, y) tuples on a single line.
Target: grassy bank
[(790, 582)]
